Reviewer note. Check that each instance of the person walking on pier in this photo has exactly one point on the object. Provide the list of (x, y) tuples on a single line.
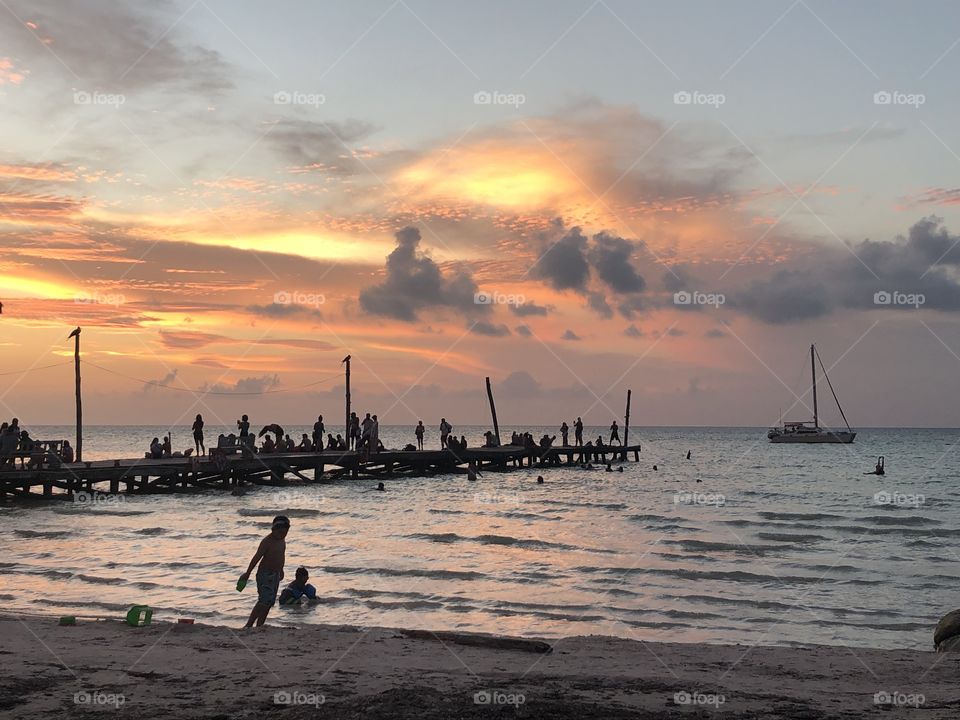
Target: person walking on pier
[(198, 435), (318, 433), (565, 433), (419, 431), (445, 430), (578, 432), (615, 433)]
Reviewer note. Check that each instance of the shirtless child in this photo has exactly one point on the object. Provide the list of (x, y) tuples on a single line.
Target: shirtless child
[(271, 555)]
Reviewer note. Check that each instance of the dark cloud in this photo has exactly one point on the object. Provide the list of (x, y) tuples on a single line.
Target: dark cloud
[(414, 282), (597, 302), (714, 333), (482, 327), (324, 146), (162, 382), (610, 257), (285, 310), (527, 309), (570, 335), (523, 330), (633, 331), (244, 385), (630, 306), (675, 332), (563, 263)]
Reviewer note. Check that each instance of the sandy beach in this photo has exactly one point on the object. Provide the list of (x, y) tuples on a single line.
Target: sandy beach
[(107, 669)]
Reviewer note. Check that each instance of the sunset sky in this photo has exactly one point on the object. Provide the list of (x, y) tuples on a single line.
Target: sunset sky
[(232, 196)]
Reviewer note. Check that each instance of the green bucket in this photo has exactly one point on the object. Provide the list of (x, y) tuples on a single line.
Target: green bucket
[(139, 615)]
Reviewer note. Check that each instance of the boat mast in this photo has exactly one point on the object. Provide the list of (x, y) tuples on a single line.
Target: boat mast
[(813, 375)]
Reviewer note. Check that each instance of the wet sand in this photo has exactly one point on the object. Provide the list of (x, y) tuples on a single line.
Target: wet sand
[(107, 669)]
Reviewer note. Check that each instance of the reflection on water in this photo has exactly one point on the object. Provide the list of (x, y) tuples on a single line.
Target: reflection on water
[(775, 544)]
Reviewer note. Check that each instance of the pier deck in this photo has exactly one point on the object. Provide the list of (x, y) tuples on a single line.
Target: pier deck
[(145, 475)]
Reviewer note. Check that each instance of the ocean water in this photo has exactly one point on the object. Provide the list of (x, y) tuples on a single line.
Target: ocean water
[(746, 542)]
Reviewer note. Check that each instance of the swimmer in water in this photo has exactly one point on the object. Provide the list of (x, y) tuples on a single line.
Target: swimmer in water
[(879, 469), (540, 479), (654, 468), (380, 487)]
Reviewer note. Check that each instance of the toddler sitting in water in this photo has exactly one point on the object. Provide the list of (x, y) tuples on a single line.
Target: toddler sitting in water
[(298, 589)]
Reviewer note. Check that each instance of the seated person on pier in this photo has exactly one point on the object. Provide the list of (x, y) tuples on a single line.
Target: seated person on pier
[(66, 454), (306, 444), (331, 442), (269, 445), (490, 440), (156, 449), (286, 445), (167, 447), (341, 443), (298, 589)]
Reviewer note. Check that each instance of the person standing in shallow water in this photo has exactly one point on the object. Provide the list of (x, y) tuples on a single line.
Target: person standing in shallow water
[(578, 432), (198, 435)]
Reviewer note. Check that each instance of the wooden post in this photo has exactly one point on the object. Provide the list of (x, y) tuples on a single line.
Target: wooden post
[(78, 457), (493, 411), (626, 424), (346, 432)]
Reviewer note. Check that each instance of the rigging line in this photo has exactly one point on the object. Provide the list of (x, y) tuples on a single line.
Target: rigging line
[(41, 367), (830, 385), (157, 384)]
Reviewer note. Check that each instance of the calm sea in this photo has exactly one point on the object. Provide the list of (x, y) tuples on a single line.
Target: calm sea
[(745, 542)]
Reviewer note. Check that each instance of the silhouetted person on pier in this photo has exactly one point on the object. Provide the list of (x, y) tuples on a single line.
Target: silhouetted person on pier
[(353, 432), (365, 427), (615, 433), (578, 432), (318, 431), (167, 447), (306, 445), (490, 440), (565, 433), (375, 443), (66, 453), (419, 431), (156, 449), (331, 442), (445, 430), (198, 435), (243, 425), (269, 445), (463, 443), (341, 443)]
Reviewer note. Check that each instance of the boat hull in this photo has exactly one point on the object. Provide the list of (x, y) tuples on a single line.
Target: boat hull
[(814, 437)]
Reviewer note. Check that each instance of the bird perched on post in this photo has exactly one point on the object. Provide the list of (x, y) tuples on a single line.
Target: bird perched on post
[(74, 333), (345, 359)]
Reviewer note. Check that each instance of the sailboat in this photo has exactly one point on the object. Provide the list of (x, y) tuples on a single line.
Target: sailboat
[(807, 432)]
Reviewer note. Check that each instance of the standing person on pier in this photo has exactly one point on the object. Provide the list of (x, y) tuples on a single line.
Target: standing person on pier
[(366, 427), (615, 433), (243, 425), (445, 430), (419, 431), (565, 433), (375, 435), (198, 435), (318, 430), (578, 432), (353, 432)]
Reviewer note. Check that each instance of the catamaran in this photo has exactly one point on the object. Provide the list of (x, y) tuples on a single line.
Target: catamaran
[(807, 432)]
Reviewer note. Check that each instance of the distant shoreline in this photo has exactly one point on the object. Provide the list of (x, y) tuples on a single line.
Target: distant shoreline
[(174, 671)]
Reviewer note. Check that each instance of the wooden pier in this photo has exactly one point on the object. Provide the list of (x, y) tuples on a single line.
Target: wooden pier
[(179, 474)]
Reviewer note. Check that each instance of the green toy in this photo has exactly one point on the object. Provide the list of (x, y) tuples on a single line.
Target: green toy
[(139, 615), (241, 584)]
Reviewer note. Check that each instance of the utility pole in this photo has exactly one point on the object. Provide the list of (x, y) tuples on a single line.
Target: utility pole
[(493, 411), (346, 434), (76, 365), (626, 424)]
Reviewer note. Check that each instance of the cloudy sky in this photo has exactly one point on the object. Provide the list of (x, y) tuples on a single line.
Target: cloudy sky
[(571, 197)]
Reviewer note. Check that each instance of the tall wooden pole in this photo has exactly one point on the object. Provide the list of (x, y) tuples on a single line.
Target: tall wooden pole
[(346, 434), (626, 423), (76, 366), (493, 411)]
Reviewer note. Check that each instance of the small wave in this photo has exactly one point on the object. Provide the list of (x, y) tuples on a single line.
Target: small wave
[(571, 503), (800, 516), (790, 537), (94, 510), (506, 540), (705, 546), (913, 520), (289, 512), (526, 516), (43, 533), (403, 605), (437, 511), (412, 572), (100, 580), (152, 531)]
